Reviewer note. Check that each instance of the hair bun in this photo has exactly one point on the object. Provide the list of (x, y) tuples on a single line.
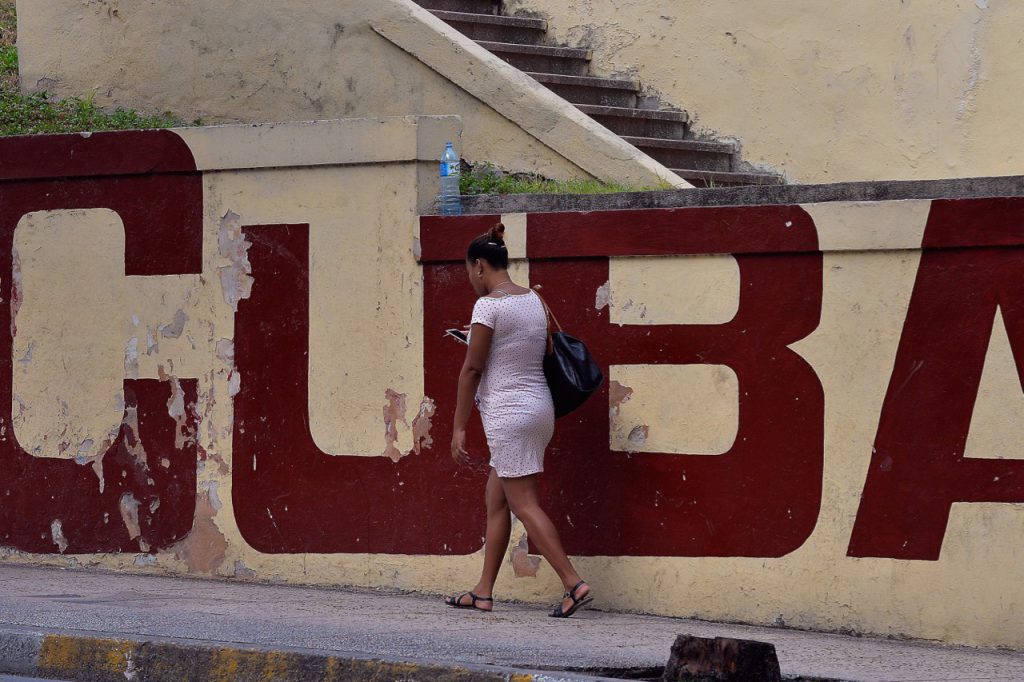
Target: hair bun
[(497, 234)]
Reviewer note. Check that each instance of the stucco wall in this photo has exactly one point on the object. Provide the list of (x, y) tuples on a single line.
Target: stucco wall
[(316, 59), (867, 90), (233, 365)]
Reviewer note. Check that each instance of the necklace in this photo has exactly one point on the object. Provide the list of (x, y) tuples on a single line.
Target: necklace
[(495, 288)]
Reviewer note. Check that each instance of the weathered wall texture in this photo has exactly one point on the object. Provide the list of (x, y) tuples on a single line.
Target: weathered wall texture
[(213, 367), (866, 90), (316, 59)]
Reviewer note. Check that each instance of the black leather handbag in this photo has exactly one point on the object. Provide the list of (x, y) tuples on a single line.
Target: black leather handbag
[(571, 372)]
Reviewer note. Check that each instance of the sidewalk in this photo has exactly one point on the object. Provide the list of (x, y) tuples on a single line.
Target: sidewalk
[(371, 625)]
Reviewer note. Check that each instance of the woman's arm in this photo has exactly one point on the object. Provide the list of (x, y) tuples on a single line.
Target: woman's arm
[(469, 381)]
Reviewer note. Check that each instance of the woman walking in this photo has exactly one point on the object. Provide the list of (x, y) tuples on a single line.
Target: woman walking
[(504, 373)]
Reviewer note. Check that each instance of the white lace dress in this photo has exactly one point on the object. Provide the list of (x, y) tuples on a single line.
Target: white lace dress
[(513, 398)]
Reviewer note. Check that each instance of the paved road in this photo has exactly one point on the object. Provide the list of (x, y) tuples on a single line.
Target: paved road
[(403, 626)]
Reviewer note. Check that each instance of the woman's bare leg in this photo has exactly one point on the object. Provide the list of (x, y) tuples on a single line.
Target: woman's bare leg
[(499, 530), (521, 494)]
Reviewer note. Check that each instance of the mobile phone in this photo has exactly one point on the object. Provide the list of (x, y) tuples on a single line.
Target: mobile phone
[(458, 335)]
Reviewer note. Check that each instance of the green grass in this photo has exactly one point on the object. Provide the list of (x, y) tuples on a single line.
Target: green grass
[(38, 112), (486, 179)]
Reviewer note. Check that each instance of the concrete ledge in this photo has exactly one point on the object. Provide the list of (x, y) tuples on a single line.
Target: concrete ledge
[(334, 142), (970, 188), (519, 98), (98, 657)]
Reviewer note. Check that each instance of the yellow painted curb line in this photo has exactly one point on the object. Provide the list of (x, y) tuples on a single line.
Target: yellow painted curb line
[(72, 657)]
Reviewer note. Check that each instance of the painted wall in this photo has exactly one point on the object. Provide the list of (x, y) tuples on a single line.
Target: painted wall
[(316, 59), (868, 90), (224, 356)]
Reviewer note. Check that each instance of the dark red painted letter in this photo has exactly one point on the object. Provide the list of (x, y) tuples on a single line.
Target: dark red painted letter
[(149, 179), (761, 498), (291, 497), (972, 264)]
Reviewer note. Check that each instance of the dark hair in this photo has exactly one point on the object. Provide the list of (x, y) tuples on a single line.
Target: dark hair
[(491, 248)]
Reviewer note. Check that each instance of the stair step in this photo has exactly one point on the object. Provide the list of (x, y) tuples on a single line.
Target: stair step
[(611, 102), (497, 20), (569, 61), (590, 90), (624, 121), (467, 6), (701, 178), (495, 28), (708, 146), (587, 81), (691, 154), (631, 113)]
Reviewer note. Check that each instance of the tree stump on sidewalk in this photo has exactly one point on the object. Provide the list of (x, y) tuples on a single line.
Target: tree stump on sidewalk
[(696, 659)]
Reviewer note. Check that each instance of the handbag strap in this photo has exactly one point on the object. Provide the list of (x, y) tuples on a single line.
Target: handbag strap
[(547, 309), (550, 318)]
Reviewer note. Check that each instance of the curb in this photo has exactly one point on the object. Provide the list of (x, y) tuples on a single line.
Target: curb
[(79, 657)]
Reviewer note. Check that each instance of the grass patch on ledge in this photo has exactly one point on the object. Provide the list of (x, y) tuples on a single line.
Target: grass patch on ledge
[(38, 112), (484, 178)]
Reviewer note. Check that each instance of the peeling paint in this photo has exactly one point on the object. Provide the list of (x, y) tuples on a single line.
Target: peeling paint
[(17, 294), (131, 358), (618, 395), (226, 351), (97, 466), (604, 296), (422, 425), (27, 358), (205, 548), (57, 533), (174, 329), (129, 507), (145, 560), (234, 384), (176, 410), (394, 412), (132, 442), (524, 565), (236, 278), (152, 344), (176, 403), (22, 408), (638, 436), (243, 572)]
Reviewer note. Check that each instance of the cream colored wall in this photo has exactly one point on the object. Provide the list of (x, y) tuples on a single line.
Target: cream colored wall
[(270, 61), (81, 318), (971, 594), (866, 90), (316, 59)]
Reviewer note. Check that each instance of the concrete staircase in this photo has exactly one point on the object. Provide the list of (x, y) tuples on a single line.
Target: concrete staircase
[(662, 133)]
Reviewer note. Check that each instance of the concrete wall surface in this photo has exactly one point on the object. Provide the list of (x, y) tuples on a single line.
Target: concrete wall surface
[(224, 356), (867, 90), (317, 59)]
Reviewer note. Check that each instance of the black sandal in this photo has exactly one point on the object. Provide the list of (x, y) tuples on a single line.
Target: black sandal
[(456, 602), (577, 604)]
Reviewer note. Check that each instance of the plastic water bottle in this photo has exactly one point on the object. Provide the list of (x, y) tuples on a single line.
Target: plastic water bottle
[(451, 172)]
